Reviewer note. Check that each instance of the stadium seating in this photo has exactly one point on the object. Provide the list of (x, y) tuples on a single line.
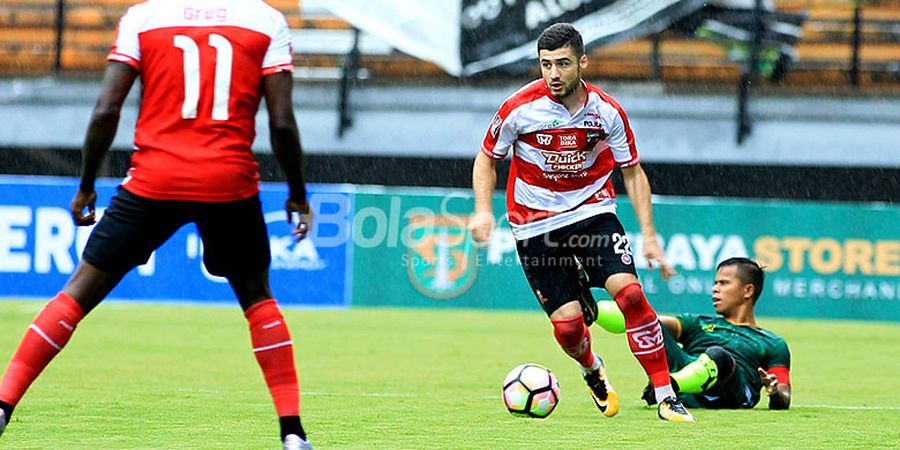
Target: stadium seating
[(28, 42)]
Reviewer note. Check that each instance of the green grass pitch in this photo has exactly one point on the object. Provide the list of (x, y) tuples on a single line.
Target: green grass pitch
[(183, 377)]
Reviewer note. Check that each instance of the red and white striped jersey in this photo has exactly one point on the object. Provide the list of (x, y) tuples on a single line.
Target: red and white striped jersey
[(201, 63), (562, 162)]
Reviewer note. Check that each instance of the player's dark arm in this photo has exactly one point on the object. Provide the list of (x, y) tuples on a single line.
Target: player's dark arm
[(781, 398), (117, 81), (285, 140), (779, 393), (284, 135)]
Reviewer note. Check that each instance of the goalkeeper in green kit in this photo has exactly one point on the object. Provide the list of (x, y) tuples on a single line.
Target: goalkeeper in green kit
[(723, 361)]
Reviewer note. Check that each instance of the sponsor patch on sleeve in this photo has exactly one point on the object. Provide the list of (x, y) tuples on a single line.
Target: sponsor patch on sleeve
[(495, 125)]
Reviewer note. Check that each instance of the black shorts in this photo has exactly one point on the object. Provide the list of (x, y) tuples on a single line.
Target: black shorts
[(235, 240), (550, 264)]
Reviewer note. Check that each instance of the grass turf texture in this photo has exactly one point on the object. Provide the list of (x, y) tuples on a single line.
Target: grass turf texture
[(183, 377)]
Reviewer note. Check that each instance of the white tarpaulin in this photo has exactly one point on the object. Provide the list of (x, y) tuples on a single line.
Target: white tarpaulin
[(466, 37)]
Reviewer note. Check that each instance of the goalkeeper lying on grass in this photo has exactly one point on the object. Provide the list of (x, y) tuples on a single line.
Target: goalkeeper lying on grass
[(722, 361)]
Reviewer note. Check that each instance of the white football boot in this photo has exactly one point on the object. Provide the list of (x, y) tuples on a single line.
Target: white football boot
[(293, 442)]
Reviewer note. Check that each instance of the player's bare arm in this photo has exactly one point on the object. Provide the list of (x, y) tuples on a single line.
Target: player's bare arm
[(638, 188), (484, 179), (779, 393), (285, 140), (672, 325), (117, 81)]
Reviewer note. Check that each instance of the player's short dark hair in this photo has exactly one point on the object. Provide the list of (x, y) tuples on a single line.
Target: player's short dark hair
[(749, 272), (560, 35)]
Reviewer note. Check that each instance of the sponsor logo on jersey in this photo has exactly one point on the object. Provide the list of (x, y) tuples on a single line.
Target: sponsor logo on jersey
[(568, 141), (556, 176), (547, 125), (564, 161), (626, 259), (592, 123), (544, 139), (495, 125), (440, 256), (602, 194)]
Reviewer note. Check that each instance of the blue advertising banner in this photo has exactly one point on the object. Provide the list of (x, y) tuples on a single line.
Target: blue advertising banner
[(40, 247)]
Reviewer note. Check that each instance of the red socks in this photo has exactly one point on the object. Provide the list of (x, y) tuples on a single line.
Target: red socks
[(575, 339), (47, 335), (644, 333), (275, 355), (53, 326)]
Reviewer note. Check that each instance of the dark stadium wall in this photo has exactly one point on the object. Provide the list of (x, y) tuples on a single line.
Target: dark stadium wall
[(850, 184)]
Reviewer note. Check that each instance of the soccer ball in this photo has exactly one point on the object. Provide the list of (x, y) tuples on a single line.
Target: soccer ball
[(530, 390)]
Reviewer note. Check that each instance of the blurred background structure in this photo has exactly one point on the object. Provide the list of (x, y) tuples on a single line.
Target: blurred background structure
[(795, 164), (825, 109)]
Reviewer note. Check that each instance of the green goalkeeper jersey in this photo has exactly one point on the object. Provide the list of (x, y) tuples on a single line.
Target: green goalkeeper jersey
[(750, 346)]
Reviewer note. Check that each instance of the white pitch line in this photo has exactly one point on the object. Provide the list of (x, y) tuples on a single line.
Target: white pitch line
[(858, 408), (494, 397), (360, 394), (386, 395)]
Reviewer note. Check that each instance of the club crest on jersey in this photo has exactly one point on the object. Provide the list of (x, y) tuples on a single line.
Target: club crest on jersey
[(544, 139), (564, 161), (440, 256)]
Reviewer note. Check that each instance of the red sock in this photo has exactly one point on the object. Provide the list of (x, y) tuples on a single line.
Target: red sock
[(575, 339), (47, 335), (275, 355), (644, 333)]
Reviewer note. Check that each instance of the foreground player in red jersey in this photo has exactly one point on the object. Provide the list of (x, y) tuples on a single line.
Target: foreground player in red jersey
[(204, 66), (567, 136)]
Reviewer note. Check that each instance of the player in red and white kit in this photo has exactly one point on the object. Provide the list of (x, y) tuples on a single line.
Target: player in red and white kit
[(567, 136), (204, 67)]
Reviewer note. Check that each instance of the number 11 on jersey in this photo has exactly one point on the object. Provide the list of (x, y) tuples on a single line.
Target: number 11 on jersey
[(222, 83)]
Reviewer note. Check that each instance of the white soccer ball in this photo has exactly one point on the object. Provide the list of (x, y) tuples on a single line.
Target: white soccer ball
[(530, 390)]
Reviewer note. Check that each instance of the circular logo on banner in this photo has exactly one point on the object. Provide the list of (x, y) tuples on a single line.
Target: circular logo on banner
[(441, 260)]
